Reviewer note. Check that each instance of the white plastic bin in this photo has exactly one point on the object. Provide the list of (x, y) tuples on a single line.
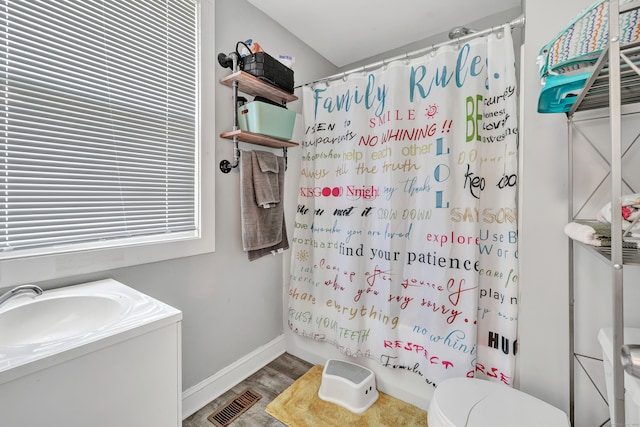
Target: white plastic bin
[(267, 119)]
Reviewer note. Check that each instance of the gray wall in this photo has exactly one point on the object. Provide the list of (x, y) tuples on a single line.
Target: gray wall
[(543, 318), (477, 25), (230, 306), (544, 304)]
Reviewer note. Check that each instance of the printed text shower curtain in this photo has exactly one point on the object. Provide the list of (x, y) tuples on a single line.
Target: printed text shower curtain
[(405, 240)]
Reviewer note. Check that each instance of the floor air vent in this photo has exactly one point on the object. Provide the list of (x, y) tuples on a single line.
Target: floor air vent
[(232, 410)]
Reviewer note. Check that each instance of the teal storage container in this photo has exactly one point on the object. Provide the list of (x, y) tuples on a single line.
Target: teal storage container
[(266, 119)]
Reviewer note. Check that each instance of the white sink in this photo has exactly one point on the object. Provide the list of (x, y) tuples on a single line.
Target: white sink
[(61, 349), (66, 321), (46, 320)]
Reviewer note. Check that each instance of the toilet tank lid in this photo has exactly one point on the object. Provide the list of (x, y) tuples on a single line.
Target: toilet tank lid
[(605, 336), (631, 336)]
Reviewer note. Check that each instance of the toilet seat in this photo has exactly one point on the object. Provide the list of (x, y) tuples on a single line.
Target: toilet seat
[(474, 402)]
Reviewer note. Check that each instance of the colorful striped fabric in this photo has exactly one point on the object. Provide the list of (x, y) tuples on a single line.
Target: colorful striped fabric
[(580, 44)]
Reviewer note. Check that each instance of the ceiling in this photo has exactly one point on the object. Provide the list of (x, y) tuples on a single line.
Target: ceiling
[(347, 31)]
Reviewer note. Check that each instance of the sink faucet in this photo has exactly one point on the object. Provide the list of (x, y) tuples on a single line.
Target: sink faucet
[(22, 289)]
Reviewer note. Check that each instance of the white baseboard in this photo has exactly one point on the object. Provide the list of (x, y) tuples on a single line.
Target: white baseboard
[(213, 387)]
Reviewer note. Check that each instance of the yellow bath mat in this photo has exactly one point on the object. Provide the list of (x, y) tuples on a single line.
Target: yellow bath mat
[(300, 406)]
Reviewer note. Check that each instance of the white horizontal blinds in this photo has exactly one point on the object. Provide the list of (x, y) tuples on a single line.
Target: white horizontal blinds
[(97, 120)]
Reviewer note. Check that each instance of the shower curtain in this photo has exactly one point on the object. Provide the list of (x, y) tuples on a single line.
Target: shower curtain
[(405, 240)]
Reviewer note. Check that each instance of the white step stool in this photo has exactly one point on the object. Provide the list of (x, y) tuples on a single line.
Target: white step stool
[(348, 385)]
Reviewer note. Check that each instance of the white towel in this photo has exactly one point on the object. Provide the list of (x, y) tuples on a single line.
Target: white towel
[(630, 203), (582, 233)]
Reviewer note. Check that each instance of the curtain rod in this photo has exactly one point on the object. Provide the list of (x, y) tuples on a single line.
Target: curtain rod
[(518, 22)]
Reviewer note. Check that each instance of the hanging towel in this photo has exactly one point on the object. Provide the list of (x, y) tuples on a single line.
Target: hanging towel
[(280, 247), (263, 229), (266, 178)]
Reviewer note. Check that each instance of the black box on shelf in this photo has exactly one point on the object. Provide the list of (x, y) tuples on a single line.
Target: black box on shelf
[(267, 68)]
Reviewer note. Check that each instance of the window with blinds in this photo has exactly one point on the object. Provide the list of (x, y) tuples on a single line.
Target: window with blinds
[(98, 113)]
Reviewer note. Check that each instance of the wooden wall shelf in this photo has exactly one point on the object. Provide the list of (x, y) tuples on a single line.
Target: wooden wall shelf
[(258, 139), (254, 86)]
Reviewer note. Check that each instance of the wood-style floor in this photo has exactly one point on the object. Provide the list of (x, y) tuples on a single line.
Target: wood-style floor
[(269, 382)]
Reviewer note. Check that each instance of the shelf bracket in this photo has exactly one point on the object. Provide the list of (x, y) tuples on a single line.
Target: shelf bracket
[(226, 165)]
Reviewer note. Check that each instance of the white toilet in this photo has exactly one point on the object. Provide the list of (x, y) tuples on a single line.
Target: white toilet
[(472, 402), (631, 384)]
